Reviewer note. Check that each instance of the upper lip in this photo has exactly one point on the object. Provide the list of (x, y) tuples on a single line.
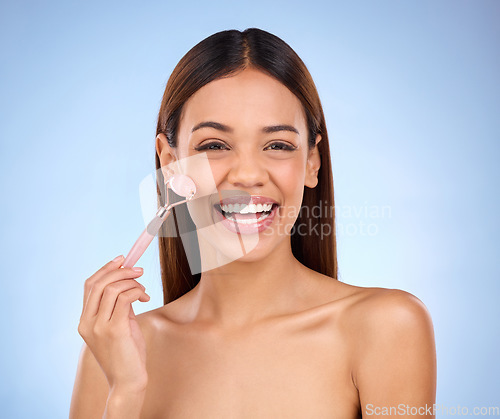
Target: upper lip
[(247, 200)]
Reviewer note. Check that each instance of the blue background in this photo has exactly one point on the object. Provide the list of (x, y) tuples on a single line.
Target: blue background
[(411, 95)]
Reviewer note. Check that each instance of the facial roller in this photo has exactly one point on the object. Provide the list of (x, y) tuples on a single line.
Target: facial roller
[(181, 185)]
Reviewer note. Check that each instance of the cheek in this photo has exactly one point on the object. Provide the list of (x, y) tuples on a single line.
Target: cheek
[(289, 175), (289, 179)]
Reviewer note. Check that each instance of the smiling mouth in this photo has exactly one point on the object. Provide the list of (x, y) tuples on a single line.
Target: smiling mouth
[(247, 214)]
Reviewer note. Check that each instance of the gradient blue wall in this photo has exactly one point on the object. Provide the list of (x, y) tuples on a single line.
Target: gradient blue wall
[(411, 95)]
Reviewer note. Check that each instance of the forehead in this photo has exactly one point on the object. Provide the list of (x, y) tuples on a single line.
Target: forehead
[(247, 101)]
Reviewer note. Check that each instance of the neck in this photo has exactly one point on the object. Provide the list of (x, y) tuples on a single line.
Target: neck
[(244, 292)]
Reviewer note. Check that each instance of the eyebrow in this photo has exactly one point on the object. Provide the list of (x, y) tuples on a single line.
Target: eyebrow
[(225, 128)]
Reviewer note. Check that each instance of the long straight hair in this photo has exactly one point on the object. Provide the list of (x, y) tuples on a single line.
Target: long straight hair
[(224, 54)]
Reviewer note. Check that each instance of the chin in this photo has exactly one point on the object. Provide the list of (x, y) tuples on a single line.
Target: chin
[(225, 247)]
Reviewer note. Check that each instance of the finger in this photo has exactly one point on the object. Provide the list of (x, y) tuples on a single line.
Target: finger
[(94, 299), (89, 283), (123, 305), (110, 295), (96, 293)]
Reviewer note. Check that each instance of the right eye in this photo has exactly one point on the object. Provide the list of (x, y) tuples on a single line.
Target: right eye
[(213, 145)]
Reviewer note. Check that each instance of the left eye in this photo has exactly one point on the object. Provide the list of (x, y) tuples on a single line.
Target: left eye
[(281, 146)]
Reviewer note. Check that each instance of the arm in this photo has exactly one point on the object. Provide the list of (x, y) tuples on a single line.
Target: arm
[(90, 391), (112, 377), (92, 398), (395, 370)]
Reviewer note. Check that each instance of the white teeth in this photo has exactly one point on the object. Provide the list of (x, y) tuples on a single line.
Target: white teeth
[(246, 209)]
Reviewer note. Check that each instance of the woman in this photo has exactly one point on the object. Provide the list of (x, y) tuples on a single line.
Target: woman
[(271, 333)]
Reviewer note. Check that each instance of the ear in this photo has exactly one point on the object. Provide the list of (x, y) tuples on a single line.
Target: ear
[(166, 154), (313, 165)]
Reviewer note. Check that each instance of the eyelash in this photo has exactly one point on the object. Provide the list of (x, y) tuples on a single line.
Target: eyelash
[(286, 147)]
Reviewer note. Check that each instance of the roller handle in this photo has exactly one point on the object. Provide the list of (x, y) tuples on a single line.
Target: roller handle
[(144, 240)]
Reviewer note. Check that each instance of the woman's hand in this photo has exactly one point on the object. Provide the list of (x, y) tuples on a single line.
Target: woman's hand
[(110, 329)]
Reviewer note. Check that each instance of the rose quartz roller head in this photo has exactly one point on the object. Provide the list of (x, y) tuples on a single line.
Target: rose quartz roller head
[(181, 185)]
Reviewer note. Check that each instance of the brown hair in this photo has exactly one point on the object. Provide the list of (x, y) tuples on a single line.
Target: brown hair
[(222, 55)]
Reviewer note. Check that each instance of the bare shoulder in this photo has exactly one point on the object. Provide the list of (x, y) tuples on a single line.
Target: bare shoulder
[(377, 310), (151, 322), (148, 319), (368, 310), (159, 323), (382, 315), (393, 345)]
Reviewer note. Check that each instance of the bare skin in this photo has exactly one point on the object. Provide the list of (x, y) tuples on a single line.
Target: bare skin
[(265, 336)]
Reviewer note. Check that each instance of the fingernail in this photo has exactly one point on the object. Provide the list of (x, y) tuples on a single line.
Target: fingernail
[(116, 259), (137, 269)]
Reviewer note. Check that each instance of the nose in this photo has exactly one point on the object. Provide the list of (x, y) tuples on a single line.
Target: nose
[(247, 172)]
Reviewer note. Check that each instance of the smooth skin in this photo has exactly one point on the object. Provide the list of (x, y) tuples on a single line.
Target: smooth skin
[(263, 336)]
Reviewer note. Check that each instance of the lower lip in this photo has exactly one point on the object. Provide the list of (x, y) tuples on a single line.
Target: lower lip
[(240, 228)]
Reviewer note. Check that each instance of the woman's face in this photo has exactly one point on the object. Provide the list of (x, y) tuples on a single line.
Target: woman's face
[(254, 133)]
